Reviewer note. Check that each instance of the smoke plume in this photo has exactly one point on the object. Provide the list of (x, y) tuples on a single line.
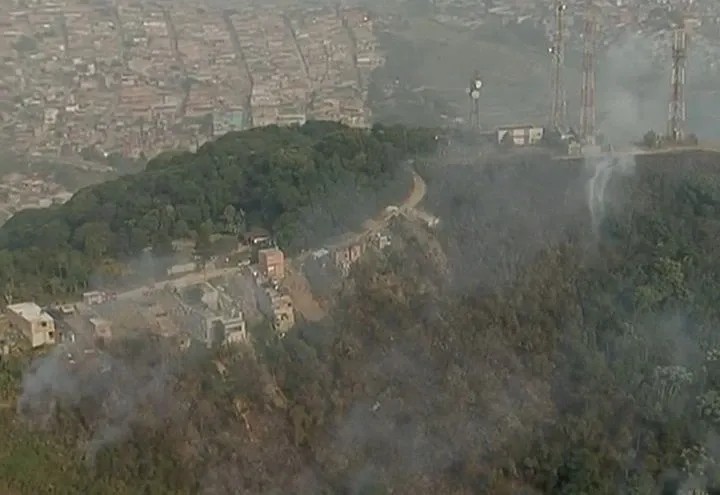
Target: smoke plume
[(632, 90), (109, 393), (602, 168)]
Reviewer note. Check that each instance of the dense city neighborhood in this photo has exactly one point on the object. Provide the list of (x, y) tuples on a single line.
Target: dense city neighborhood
[(137, 78), (85, 82), (617, 19)]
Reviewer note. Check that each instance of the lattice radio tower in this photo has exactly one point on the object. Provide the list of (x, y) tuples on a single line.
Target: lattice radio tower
[(677, 115), (587, 93), (559, 105)]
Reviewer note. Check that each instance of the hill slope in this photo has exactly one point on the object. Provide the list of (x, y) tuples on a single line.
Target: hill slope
[(302, 183), (546, 354)]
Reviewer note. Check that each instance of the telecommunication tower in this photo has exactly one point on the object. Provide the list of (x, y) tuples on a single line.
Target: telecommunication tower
[(677, 118), (474, 92), (559, 105), (587, 93)]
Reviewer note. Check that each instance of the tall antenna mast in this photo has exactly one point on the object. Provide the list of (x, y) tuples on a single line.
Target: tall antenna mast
[(677, 118), (557, 118), (474, 92), (587, 94)]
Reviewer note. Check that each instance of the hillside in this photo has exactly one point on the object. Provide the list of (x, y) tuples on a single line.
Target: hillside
[(563, 342), (304, 184)]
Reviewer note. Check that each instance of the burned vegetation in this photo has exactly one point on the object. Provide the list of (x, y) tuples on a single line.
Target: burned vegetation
[(536, 341)]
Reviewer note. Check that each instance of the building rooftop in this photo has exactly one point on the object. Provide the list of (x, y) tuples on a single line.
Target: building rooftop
[(29, 311), (271, 252)]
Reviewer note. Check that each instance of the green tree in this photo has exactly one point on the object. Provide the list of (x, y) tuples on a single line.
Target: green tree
[(162, 245), (94, 238), (229, 215), (271, 177), (203, 243)]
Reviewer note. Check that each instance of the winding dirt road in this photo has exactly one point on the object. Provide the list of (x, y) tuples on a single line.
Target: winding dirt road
[(295, 281)]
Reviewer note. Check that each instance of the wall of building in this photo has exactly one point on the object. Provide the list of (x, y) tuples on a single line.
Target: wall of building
[(272, 263), (38, 332), (277, 308), (181, 269), (283, 314), (521, 136)]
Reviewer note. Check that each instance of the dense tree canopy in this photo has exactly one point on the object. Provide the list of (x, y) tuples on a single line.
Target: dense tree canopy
[(277, 177)]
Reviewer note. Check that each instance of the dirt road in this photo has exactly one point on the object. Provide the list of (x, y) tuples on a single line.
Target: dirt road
[(180, 282), (295, 280), (416, 195)]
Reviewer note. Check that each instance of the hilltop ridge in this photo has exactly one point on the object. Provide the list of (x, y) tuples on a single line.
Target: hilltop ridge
[(298, 182)]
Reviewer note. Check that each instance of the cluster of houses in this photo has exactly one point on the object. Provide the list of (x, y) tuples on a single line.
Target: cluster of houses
[(204, 312)]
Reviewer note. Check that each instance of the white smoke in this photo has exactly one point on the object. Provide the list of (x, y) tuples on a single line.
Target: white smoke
[(602, 168), (633, 90), (123, 390)]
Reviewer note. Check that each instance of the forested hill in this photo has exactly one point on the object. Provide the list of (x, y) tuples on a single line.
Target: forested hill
[(557, 335), (302, 183)]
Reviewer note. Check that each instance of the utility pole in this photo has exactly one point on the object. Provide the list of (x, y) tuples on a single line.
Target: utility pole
[(587, 93), (558, 112), (474, 92), (677, 118)]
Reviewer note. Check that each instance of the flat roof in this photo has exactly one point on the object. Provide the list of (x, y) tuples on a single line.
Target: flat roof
[(518, 126), (29, 311), (271, 252)]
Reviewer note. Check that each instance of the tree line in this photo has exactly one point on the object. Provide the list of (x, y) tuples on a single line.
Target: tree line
[(257, 178)]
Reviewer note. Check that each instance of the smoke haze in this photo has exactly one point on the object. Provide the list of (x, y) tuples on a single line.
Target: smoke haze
[(632, 91), (116, 390)]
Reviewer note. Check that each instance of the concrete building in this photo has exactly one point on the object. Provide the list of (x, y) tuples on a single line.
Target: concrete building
[(520, 135), (278, 308), (345, 257), (235, 329), (101, 329), (33, 322), (283, 315), (225, 329), (258, 238), (181, 269), (272, 263), (93, 297)]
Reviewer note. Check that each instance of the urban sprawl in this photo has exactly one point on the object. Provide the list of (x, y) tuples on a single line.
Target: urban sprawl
[(137, 78)]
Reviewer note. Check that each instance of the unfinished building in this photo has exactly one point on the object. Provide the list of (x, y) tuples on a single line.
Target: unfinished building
[(215, 318), (32, 322), (277, 307), (272, 263), (347, 256)]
